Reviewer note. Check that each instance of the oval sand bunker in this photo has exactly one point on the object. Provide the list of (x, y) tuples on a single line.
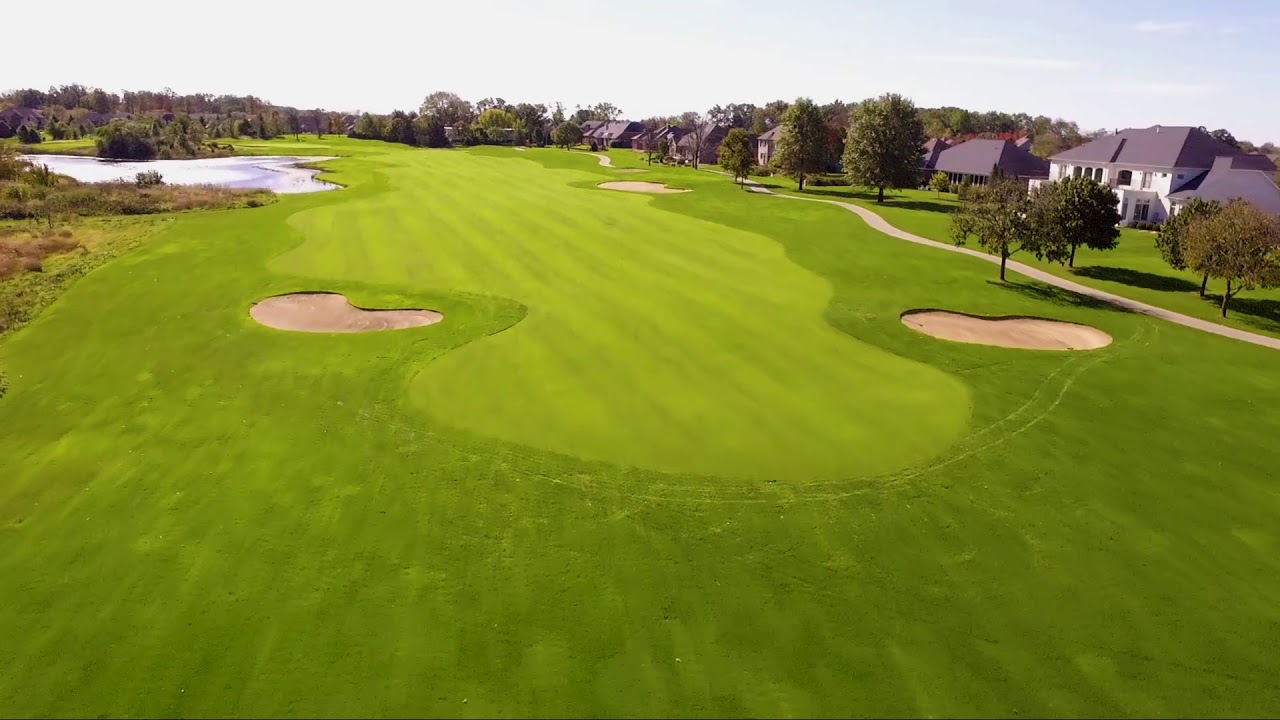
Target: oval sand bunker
[(1010, 332), (331, 313), (641, 187)]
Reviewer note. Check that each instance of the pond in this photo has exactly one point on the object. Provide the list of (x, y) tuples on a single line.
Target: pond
[(275, 173)]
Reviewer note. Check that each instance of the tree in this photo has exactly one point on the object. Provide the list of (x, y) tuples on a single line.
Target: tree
[(494, 123), (398, 129), (1239, 244), (567, 134), (884, 145), (939, 182), (996, 214), (451, 109), (802, 148), (697, 137), (28, 135), (1072, 212), (605, 111), (557, 117), (320, 118), (126, 140), (1222, 135), (294, 124), (1172, 239), (368, 128), (735, 154), (431, 132), (664, 148)]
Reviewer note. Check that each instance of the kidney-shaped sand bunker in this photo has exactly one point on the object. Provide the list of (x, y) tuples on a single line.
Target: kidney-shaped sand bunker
[(1010, 332), (322, 312), (642, 187)]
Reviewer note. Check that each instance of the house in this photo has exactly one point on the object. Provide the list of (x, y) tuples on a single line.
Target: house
[(1154, 170), (972, 162), (1025, 142), (19, 116), (615, 133), (648, 139), (767, 145), (588, 129), (712, 138), (933, 147), (1247, 177)]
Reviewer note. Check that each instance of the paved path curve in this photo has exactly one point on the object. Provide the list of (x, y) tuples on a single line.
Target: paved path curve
[(605, 161), (879, 223)]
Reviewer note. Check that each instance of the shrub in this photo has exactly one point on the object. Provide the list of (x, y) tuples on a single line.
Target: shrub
[(148, 178), (826, 181), (761, 171), (28, 135), (126, 140), (594, 147)]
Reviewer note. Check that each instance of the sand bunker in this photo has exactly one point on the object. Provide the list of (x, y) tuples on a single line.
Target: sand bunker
[(642, 187), (1010, 332), (331, 313), (629, 171)]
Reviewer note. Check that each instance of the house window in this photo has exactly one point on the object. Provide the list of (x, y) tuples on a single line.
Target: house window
[(1179, 176), (1124, 208), (1126, 177), (1146, 184), (1141, 210), (1097, 174), (1076, 171)]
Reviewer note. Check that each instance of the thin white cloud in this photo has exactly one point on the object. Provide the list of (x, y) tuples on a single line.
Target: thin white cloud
[(1163, 89), (1151, 26), (1232, 30), (1008, 61)]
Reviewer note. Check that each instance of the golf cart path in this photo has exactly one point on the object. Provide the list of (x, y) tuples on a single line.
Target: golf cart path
[(879, 223), (604, 160)]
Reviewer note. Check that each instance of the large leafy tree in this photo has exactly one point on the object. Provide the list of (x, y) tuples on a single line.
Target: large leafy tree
[(735, 154), (1072, 212), (494, 123), (451, 109), (1172, 238), (802, 148), (1239, 244), (884, 144), (996, 216), (567, 134), (430, 131), (294, 124)]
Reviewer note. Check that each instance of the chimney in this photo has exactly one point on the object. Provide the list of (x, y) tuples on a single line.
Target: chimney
[(1157, 129)]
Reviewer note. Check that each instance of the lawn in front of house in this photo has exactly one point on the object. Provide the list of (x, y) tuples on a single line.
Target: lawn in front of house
[(1134, 269)]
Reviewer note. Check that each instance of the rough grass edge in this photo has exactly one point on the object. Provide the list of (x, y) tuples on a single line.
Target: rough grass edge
[(24, 297)]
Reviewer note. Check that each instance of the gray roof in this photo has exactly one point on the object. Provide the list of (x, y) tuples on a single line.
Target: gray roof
[(1156, 146), (1249, 177), (976, 157), (772, 133), (933, 147), (618, 128)]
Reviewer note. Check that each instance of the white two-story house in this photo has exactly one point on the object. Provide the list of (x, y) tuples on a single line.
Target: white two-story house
[(1157, 169)]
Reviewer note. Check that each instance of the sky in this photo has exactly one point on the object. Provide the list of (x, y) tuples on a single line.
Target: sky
[(1110, 65)]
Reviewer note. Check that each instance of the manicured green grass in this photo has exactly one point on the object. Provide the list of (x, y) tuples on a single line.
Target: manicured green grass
[(79, 146), (666, 455), (1135, 269)]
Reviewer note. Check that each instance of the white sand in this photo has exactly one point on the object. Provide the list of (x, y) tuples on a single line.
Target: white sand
[(642, 187), (1030, 333), (331, 313)]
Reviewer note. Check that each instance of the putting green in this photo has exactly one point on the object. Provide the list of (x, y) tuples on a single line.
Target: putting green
[(653, 339)]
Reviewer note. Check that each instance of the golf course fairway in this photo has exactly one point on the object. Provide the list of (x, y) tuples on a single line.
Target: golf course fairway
[(664, 454)]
